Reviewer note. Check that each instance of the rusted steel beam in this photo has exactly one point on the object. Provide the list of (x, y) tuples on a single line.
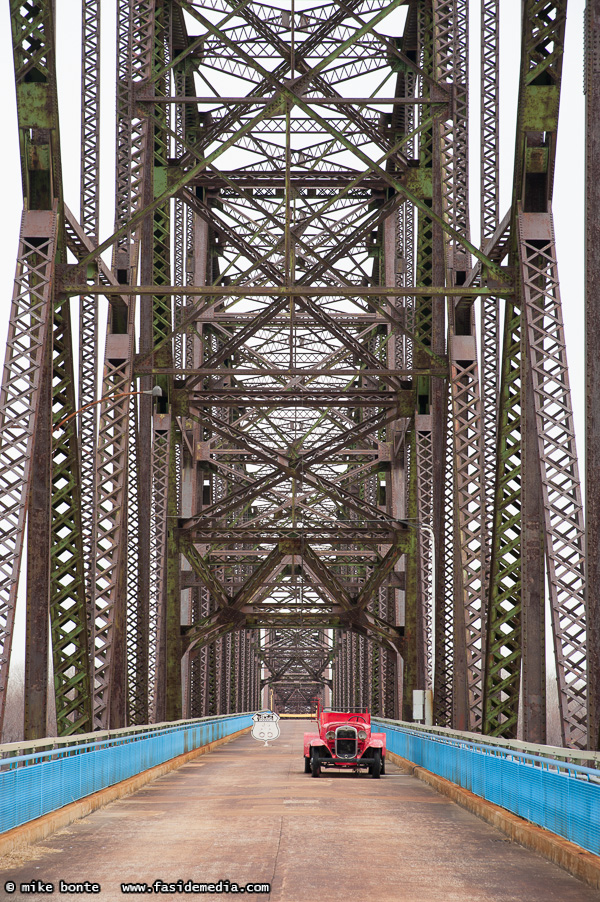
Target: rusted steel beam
[(218, 292), (557, 455), (88, 304), (320, 101), (38, 566), (26, 350), (592, 332)]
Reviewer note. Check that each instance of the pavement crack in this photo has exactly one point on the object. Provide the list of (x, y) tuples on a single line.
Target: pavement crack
[(277, 850)]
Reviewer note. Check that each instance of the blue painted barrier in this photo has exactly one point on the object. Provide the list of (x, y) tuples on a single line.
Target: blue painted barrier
[(44, 780), (560, 796)]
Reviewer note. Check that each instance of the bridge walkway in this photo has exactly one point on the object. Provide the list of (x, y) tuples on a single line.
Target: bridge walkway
[(247, 813)]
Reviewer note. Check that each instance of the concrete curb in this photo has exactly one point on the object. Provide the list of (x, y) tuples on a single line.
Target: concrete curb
[(572, 858), (34, 831)]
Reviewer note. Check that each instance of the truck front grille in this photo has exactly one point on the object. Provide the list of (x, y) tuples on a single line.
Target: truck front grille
[(345, 745)]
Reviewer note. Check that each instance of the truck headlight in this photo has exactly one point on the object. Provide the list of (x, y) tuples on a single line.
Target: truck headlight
[(329, 735), (362, 734)]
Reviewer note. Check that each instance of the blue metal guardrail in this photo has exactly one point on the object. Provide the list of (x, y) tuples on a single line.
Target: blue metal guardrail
[(45, 779), (555, 794)]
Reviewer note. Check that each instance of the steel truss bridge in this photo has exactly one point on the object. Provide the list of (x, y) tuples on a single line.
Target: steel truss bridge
[(349, 482)]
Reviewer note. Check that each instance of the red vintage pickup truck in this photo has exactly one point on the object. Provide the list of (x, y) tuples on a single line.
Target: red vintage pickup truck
[(344, 739)]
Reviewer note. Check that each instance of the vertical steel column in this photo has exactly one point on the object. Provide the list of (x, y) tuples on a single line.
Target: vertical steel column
[(173, 685), (161, 449), (490, 118), (410, 680), (38, 564), (156, 323), (29, 333), (451, 61), (396, 237), (515, 597), (111, 524), (563, 509), (418, 574), (141, 169), (489, 217), (59, 578), (592, 333), (533, 658), (503, 658), (193, 475), (68, 614), (424, 466), (88, 305), (137, 600), (444, 702), (26, 397), (125, 265), (115, 456)]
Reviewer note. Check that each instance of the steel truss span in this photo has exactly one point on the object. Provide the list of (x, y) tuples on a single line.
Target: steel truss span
[(331, 497)]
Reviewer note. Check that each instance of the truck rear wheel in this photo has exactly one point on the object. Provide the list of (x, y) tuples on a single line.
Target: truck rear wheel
[(306, 764)]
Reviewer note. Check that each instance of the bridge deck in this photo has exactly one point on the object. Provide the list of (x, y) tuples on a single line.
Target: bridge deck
[(246, 813)]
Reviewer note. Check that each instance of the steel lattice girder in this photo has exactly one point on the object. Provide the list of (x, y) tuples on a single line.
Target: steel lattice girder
[(29, 334), (592, 67), (561, 491), (534, 363), (55, 541)]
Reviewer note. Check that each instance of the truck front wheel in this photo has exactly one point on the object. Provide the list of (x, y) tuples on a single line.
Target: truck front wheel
[(315, 764), (376, 766)]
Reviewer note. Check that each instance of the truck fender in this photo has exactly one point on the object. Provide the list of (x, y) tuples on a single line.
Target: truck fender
[(311, 739)]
